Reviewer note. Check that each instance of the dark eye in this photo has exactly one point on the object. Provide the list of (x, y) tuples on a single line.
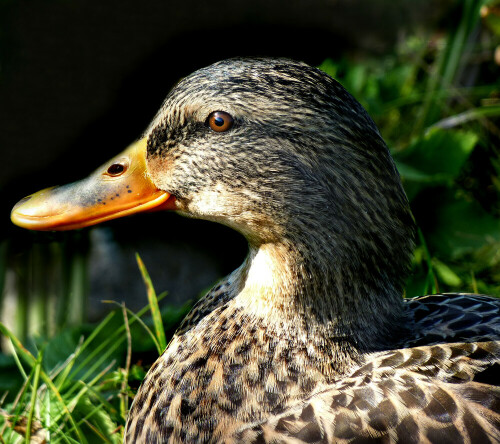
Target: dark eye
[(220, 121), (116, 169)]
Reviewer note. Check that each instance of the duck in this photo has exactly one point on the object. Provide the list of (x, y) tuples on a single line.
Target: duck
[(310, 340)]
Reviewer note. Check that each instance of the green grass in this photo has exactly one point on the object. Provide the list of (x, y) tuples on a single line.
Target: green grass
[(79, 390), (74, 382)]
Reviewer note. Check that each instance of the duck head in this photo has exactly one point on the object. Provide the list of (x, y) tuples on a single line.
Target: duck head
[(275, 149)]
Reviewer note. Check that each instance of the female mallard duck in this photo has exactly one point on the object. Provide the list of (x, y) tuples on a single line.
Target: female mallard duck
[(310, 339)]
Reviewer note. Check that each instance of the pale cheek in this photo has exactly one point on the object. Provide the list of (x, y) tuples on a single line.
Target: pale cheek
[(204, 204), (213, 201)]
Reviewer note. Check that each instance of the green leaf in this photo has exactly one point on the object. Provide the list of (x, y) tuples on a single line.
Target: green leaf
[(408, 172), (459, 226), (355, 79), (469, 115), (415, 180), (330, 67), (440, 151), (446, 274), (98, 419)]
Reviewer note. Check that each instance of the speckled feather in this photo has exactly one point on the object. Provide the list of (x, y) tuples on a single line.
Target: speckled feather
[(310, 339), (421, 394)]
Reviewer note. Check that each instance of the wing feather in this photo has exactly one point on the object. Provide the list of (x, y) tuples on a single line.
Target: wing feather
[(420, 395)]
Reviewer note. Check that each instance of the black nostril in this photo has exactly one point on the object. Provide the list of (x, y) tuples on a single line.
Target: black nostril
[(116, 169)]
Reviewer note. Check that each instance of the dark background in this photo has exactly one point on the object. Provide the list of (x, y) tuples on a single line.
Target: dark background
[(81, 80)]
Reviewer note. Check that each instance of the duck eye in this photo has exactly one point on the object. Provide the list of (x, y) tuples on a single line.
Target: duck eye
[(116, 169), (220, 121)]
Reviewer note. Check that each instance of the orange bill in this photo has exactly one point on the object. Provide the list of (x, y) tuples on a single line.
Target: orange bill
[(119, 188)]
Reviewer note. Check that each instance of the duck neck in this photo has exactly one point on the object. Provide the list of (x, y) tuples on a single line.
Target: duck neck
[(282, 284)]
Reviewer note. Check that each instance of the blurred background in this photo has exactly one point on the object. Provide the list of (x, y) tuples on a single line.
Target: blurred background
[(79, 81)]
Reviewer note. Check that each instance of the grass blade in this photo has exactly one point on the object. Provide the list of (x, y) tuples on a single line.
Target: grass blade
[(128, 360), (36, 381), (153, 302), (31, 361)]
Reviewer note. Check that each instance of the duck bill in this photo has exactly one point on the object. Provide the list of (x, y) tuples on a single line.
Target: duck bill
[(119, 188)]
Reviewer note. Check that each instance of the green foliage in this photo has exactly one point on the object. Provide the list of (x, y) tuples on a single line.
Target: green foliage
[(440, 120), (76, 386), (436, 158)]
